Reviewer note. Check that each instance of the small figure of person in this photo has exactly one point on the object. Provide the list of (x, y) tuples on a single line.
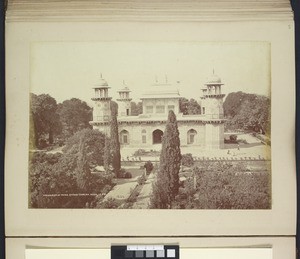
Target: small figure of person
[(228, 152), (238, 147)]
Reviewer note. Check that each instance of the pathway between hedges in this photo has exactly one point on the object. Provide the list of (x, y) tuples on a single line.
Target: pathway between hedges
[(143, 200), (122, 191)]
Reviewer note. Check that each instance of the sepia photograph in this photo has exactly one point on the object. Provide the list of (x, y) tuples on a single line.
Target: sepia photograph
[(150, 125)]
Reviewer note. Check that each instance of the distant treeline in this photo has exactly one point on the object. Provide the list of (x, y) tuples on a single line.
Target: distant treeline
[(52, 122)]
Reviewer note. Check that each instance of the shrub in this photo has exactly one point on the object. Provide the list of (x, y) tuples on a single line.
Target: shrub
[(110, 203), (233, 138), (43, 143), (127, 175), (187, 160), (149, 167), (122, 173)]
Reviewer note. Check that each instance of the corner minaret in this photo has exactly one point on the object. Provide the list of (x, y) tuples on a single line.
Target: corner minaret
[(124, 101), (212, 111), (212, 98), (101, 111)]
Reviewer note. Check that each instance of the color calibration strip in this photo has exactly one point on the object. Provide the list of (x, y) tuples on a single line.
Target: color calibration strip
[(145, 252)]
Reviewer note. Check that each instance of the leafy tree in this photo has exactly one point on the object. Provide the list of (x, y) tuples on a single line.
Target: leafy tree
[(248, 112), (94, 142), (167, 185), (189, 106), (46, 177), (136, 108), (69, 173), (75, 115), (114, 141), (44, 118)]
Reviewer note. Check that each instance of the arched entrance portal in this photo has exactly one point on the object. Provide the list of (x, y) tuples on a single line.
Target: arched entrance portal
[(157, 136)]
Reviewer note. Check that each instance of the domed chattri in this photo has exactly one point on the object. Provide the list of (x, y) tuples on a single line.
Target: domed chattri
[(124, 89), (101, 88), (102, 82), (214, 79)]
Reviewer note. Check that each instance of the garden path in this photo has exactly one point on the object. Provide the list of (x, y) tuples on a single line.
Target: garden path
[(122, 191), (143, 200)]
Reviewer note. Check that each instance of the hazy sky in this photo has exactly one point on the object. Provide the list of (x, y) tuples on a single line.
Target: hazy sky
[(66, 70)]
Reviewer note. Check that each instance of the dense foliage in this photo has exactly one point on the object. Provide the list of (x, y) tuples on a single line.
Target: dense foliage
[(225, 186), (189, 106), (148, 167), (44, 120), (65, 180), (250, 112), (74, 116), (52, 123), (136, 108), (166, 187), (187, 160), (94, 142)]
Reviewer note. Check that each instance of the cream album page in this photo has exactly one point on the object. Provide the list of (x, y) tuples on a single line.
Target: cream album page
[(150, 128)]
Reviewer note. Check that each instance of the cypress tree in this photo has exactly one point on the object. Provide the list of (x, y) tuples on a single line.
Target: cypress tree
[(114, 141), (82, 171), (107, 154), (167, 185)]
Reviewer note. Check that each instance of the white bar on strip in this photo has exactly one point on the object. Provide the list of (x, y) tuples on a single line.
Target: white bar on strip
[(144, 247)]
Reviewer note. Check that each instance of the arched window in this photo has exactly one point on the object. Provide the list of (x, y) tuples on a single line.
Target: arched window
[(191, 135), (124, 137), (157, 136)]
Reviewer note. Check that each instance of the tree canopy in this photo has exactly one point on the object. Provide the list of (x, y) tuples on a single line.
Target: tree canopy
[(189, 106), (55, 179), (136, 108), (74, 116), (44, 119), (93, 142), (248, 112)]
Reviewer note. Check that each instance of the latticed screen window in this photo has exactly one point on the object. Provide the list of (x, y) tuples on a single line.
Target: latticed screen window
[(160, 109), (149, 109), (144, 139)]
